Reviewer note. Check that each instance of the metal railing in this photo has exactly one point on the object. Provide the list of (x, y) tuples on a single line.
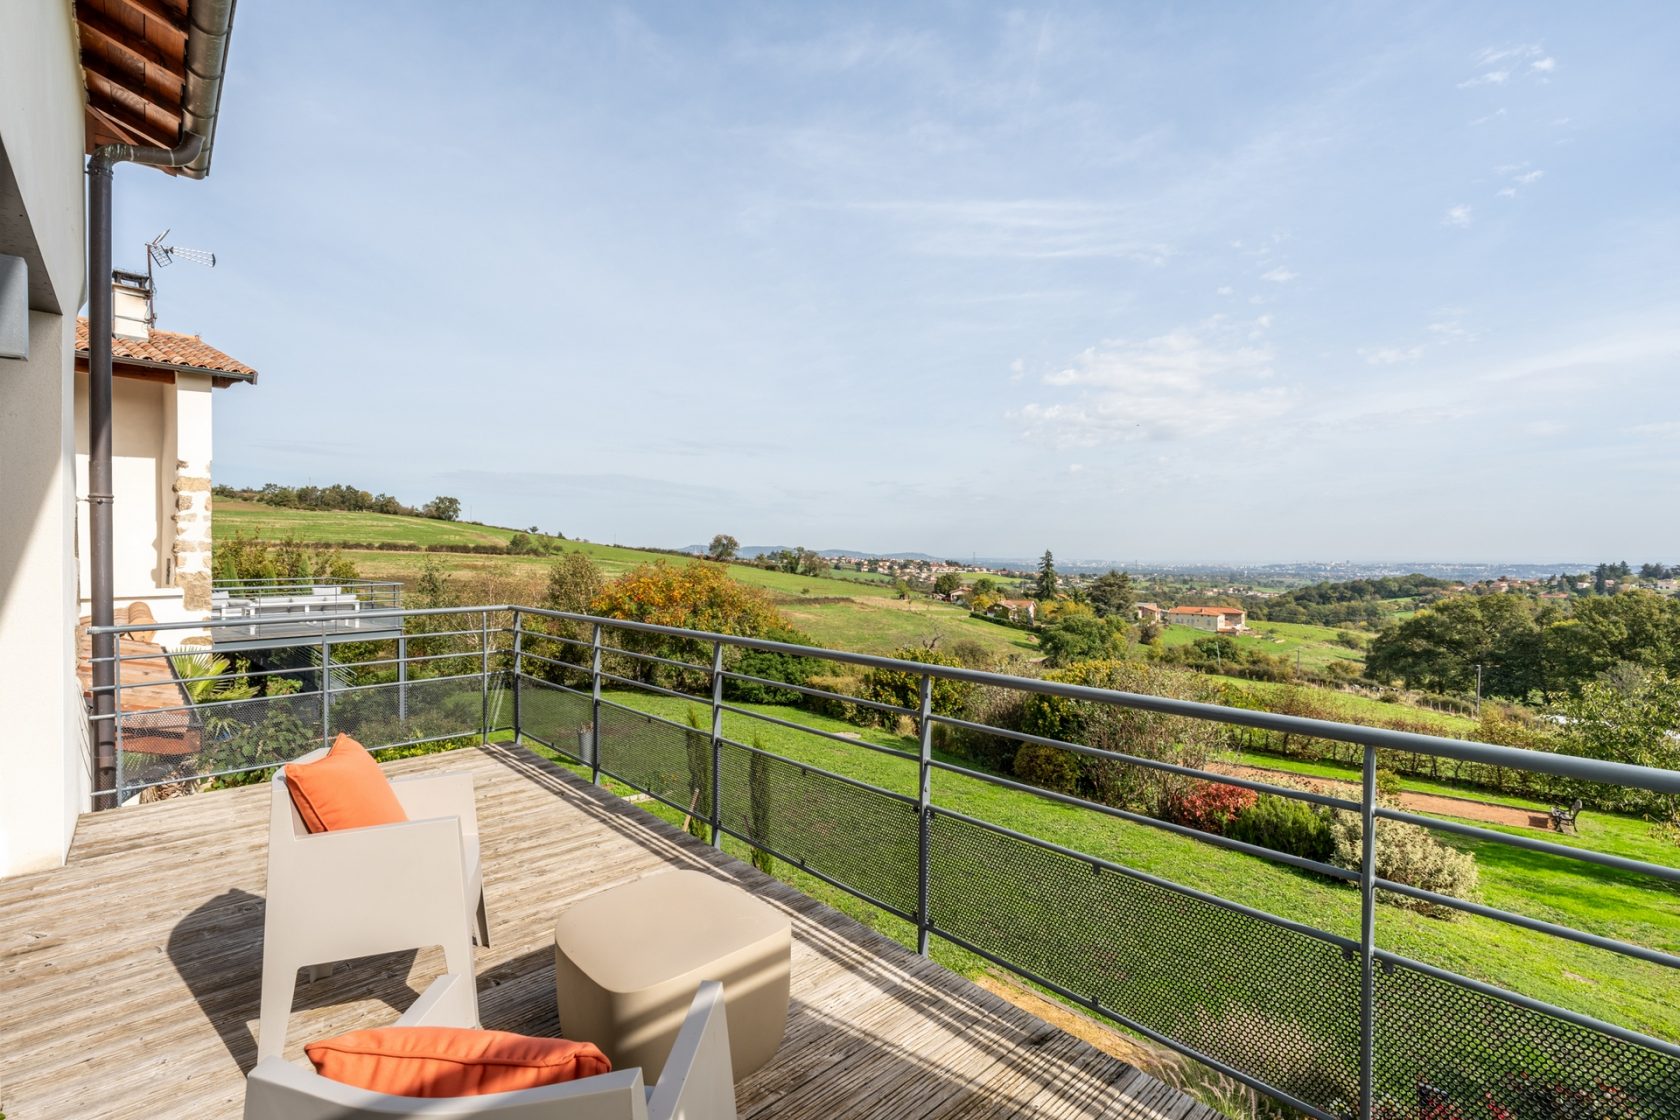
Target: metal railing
[(1331, 1024)]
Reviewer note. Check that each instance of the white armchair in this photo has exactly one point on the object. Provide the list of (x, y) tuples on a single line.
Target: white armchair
[(695, 1084), (337, 895)]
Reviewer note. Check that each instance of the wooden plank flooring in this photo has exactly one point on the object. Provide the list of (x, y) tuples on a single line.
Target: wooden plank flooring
[(129, 978)]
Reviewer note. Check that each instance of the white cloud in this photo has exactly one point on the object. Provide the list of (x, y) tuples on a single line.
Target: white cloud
[(1529, 177), (1263, 322), (1225, 290), (1279, 275), (1017, 369), (1493, 116), (1390, 355), (1506, 192), (1543, 65), (1491, 78), (1180, 385), (1458, 216)]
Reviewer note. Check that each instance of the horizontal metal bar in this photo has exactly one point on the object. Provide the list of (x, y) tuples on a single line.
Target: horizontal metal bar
[(558, 638), (224, 623), (1609, 944), (685, 666), (1569, 766), (829, 879), (1151, 763), (1132, 1024), (1346, 943), (582, 667), (807, 768), (806, 690), (660, 689), (1166, 826), (568, 689), (1587, 1022), (130, 788), (1564, 851), (663, 800), (809, 730)]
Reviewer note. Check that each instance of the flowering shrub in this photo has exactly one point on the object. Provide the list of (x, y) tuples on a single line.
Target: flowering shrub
[(1409, 854)]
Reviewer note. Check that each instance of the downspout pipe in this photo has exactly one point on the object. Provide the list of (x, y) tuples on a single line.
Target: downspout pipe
[(211, 24), (102, 581)]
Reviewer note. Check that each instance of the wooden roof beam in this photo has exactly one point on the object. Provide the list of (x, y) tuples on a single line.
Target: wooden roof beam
[(98, 66), (123, 122), (109, 36), (153, 10)]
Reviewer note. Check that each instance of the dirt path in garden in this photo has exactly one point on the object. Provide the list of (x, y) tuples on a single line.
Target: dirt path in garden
[(1417, 802)]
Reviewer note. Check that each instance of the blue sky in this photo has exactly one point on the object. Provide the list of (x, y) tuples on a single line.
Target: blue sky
[(1173, 282)]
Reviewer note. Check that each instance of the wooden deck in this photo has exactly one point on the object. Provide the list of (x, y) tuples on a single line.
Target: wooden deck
[(129, 978)]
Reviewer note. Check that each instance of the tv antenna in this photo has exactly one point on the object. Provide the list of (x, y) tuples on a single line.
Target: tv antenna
[(161, 255)]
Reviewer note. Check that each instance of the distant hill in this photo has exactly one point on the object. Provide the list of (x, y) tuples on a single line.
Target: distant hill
[(754, 551)]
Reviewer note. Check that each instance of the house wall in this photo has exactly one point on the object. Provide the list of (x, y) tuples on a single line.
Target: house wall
[(45, 771), (1195, 621)]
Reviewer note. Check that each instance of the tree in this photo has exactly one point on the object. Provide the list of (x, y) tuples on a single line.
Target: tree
[(1112, 594), (985, 585), (442, 508), (1629, 715), (573, 584), (1078, 637), (723, 548), (1045, 586), (948, 584)]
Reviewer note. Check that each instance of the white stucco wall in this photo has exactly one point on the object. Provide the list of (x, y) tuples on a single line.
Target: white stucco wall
[(44, 768), (45, 772)]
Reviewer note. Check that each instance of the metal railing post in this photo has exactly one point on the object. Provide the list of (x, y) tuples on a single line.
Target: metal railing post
[(326, 689), (484, 675), (717, 744), (518, 668), (1367, 937), (402, 675), (595, 707), (924, 814), (116, 718)]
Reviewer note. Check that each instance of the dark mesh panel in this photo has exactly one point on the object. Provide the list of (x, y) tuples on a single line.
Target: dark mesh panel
[(557, 716), (163, 747), (1278, 1005), (855, 836), (384, 714), (1451, 1050), (674, 763)]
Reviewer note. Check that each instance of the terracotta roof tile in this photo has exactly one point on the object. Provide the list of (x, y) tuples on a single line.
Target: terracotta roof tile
[(169, 348)]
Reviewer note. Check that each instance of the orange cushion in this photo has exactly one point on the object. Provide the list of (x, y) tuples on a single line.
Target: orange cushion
[(452, 1061), (343, 789)]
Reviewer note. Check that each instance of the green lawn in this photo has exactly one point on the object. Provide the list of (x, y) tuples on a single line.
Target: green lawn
[(883, 624), (1596, 899)]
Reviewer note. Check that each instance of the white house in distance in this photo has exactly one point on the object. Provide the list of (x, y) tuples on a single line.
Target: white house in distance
[(1217, 620), (74, 77), (160, 462)]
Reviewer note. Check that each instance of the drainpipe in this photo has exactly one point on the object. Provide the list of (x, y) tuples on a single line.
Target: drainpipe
[(206, 59)]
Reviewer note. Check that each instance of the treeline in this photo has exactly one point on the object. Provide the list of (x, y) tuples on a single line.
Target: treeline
[(1515, 647), (1338, 603), (341, 498)]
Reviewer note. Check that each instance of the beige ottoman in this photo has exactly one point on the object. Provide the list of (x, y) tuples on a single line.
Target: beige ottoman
[(627, 962)]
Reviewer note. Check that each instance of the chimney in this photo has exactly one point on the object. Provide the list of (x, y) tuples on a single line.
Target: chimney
[(131, 300)]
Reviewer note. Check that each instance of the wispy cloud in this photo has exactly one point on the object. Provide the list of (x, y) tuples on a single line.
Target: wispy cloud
[(1179, 385), (1490, 78), (1498, 65), (1390, 355), (1034, 229), (1457, 216), (1493, 116), (1279, 275)]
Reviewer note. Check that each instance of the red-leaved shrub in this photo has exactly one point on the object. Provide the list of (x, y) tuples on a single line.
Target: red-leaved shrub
[(1208, 806)]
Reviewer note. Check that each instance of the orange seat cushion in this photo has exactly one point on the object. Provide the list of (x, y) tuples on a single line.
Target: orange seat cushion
[(452, 1061), (343, 789)]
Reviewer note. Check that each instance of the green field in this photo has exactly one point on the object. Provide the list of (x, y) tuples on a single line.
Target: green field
[(1595, 899), (1367, 710), (870, 618), (1314, 646)]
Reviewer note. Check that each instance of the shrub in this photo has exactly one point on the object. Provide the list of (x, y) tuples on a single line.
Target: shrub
[(903, 688), (995, 707), (1284, 824), (1049, 768), (1208, 806), (1409, 854)]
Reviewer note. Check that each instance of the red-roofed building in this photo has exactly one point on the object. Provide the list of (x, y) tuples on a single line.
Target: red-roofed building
[(1217, 620), (162, 385)]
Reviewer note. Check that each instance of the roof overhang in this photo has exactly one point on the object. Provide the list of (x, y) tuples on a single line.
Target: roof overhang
[(153, 70), (143, 369)]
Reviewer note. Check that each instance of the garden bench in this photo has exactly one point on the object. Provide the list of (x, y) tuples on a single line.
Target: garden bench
[(1562, 815)]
